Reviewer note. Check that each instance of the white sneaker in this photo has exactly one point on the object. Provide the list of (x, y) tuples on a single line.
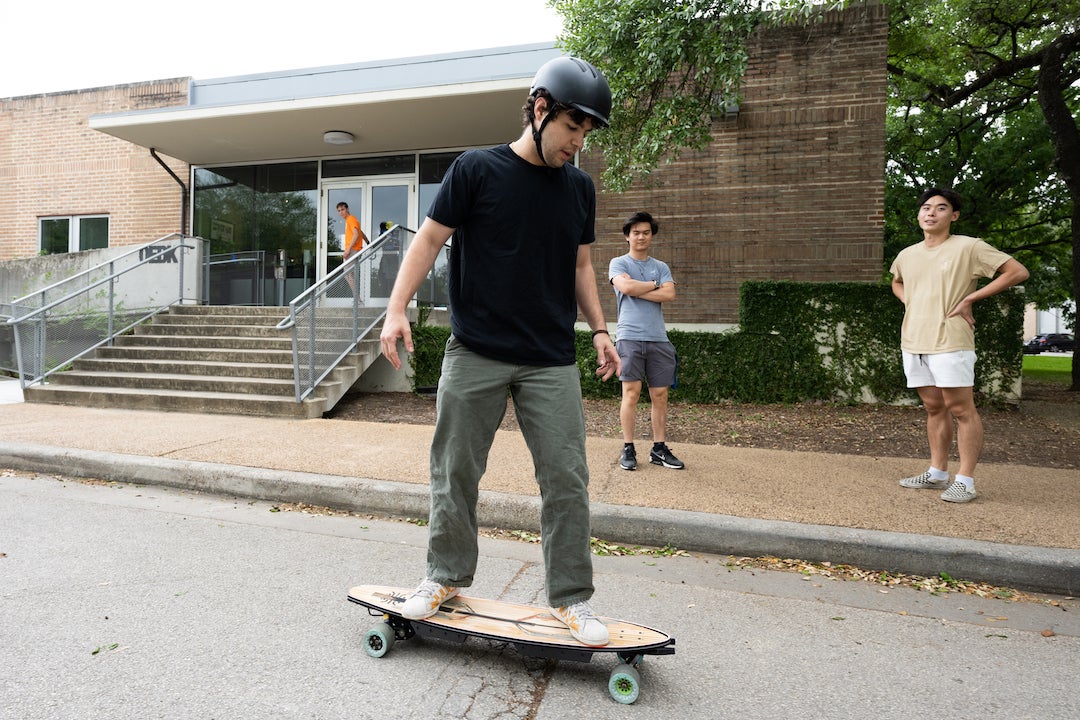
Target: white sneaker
[(958, 492), (426, 600), (584, 625)]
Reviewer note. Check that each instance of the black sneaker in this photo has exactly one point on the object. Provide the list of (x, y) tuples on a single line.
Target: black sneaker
[(661, 455), (628, 459)]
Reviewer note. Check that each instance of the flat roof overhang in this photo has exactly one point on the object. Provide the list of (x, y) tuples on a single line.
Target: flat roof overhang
[(458, 100), (389, 121)]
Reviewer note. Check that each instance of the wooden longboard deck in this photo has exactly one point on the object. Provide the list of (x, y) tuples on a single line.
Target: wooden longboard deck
[(513, 622)]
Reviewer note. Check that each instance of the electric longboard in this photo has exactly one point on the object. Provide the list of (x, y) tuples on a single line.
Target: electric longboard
[(532, 630)]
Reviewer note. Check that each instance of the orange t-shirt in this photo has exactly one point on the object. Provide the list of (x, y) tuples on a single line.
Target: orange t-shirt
[(353, 223)]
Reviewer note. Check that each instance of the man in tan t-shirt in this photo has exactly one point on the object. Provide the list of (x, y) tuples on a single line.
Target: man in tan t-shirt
[(937, 280)]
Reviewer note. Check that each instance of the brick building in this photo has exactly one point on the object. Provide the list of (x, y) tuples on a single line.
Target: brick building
[(54, 167), (791, 188)]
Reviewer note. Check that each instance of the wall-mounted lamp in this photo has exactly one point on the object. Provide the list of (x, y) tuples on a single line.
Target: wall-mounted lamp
[(338, 137)]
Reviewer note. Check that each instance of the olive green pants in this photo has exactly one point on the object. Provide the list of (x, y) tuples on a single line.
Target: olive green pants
[(471, 405)]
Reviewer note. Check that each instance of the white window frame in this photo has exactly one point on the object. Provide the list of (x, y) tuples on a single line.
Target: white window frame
[(74, 227)]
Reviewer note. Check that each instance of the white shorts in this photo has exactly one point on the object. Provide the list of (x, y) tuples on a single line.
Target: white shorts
[(943, 370)]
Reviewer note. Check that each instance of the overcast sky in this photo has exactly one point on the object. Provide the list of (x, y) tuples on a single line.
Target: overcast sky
[(69, 45)]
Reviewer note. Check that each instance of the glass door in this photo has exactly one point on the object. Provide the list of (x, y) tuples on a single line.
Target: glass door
[(379, 203), (390, 205), (331, 248)]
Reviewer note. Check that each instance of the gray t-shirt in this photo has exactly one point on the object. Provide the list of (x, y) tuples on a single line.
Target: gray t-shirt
[(640, 319)]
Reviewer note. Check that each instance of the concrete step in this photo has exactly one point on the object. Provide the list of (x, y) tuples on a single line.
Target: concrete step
[(273, 314), (189, 367), (177, 401), (215, 360), (173, 381), (268, 320), (196, 341), (211, 330), (181, 354)]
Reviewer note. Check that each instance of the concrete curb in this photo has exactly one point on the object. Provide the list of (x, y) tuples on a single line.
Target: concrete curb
[(1051, 570)]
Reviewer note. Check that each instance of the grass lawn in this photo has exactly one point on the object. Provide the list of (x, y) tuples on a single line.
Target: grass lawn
[(1057, 369)]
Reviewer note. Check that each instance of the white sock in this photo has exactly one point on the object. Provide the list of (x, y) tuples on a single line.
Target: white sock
[(969, 482), (938, 474)]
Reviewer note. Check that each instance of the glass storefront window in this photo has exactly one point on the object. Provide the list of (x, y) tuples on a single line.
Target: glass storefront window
[(267, 209), (364, 167), (433, 167), (271, 211)]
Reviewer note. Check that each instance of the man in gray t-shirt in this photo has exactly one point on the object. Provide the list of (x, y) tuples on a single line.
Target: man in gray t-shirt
[(641, 284)]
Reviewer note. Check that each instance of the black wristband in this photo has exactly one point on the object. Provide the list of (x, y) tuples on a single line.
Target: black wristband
[(601, 330)]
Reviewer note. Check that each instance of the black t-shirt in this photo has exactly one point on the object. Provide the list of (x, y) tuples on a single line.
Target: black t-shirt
[(513, 258)]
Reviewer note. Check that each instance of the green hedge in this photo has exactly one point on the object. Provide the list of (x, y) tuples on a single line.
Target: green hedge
[(799, 342)]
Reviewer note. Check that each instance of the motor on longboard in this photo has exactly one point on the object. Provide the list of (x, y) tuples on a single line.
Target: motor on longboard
[(533, 631)]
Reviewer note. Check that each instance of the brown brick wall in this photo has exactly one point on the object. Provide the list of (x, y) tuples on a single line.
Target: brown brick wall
[(793, 189), (52, 163)]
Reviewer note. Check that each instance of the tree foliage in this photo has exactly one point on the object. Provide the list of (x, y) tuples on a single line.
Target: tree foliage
[(984, 97), (672, 65)]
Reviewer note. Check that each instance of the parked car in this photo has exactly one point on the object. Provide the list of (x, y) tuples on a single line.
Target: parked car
[(1050, 342)]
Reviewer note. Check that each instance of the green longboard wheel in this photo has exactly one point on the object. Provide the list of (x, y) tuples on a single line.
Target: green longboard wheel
[(624, 684), (378, 640)]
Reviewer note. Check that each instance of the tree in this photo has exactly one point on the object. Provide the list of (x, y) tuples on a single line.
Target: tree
[(672, 65), (984, 97)]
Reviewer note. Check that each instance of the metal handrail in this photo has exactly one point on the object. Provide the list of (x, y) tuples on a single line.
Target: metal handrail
[(314, 355), (31, 313), (307, 296), (44, 291)]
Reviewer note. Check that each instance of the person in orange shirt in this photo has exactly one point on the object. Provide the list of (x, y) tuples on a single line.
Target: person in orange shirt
[(355, 239)]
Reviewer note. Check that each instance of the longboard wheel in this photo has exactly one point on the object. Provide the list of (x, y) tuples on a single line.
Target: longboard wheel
[(378, 640), (624, 684)]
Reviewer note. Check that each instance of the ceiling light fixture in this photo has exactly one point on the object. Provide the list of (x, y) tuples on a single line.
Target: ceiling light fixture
[(338, 137)]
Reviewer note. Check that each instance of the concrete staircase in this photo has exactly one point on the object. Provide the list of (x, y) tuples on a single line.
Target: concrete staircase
[(203, 359)]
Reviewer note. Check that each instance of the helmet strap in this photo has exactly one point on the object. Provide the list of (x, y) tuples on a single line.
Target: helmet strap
[(537, 131)]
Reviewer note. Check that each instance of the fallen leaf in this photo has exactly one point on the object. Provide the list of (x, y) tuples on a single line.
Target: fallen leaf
[(1048, 633)]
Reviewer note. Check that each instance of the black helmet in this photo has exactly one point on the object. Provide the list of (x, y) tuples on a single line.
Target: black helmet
[(575, 83)]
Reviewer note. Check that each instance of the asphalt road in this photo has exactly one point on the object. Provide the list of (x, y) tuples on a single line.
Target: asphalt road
[(129, 601)]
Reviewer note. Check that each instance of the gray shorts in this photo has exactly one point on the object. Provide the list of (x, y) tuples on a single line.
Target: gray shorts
[(655, 362)]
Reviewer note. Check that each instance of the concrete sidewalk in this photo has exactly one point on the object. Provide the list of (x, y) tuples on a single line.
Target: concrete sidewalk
[(1023, 531)]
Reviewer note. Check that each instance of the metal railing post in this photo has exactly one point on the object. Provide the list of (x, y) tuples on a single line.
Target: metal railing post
[(180, 291), (112, 300), (311, 347), (356, 300)]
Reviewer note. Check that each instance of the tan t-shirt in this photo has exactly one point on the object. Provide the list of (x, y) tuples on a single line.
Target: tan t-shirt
[(935, 281)]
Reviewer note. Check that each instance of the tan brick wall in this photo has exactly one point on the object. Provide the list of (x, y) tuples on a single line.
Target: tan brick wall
[(793, 189), (52, 163)]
